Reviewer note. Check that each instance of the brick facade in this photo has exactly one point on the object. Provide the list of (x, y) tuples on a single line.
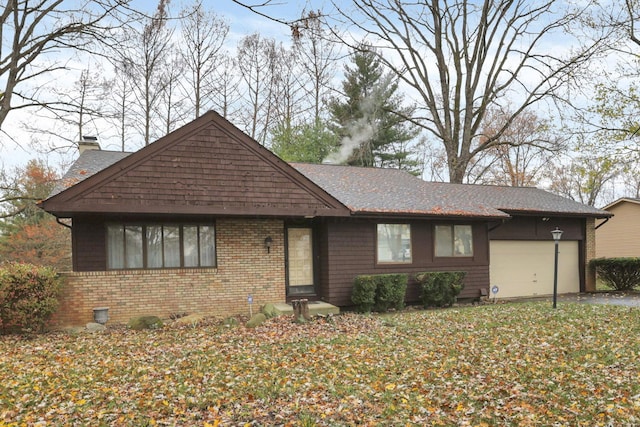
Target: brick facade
[(589, 254), (243, 267)]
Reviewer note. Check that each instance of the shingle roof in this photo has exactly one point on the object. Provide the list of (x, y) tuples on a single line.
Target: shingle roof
[(527, 200), (390, 191), (89, 163), (621, 200), (394, 191)]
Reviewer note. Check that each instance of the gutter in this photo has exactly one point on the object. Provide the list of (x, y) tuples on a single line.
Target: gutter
[(63, 224)]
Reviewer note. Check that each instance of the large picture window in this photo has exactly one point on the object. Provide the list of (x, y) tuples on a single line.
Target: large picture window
[(160, 246), (454, 240), (394, 243)]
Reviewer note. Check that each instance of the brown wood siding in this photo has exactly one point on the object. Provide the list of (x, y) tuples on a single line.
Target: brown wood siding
[(89, 246), (535, 228), (206, 172), (350, 250), (618, 237)]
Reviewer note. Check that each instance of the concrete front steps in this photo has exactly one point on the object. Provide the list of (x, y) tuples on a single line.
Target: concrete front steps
[(315, 308)]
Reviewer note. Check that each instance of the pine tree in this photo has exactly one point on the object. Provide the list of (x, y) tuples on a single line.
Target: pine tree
[(370, 120)]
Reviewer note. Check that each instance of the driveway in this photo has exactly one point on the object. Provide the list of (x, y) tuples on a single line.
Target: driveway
[(628, 299)]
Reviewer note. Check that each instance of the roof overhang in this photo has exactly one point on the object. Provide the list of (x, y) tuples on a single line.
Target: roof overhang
[(537, 213), (622, 200)]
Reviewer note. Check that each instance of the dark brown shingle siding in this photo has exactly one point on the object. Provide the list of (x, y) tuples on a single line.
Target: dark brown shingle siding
[(352, 253)]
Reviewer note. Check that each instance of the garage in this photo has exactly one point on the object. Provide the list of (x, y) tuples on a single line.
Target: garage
[(522, 268)]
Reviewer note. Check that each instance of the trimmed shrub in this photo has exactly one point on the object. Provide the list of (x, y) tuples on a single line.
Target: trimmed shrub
[(440, 288), (390, 291), (379, 292), (363, 294), (28, 296), (621, 274)]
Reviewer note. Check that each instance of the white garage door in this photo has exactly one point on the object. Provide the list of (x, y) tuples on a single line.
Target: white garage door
[(525, 268)]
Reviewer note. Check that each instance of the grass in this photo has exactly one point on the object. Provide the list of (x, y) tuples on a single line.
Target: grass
[(505, 364)]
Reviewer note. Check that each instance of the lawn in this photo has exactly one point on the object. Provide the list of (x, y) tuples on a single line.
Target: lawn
[(505, 364)]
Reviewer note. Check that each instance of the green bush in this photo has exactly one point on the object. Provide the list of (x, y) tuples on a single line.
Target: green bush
[(441, 288), (28, 297), (379, 292), (390, 291), (621, 274), (363, 294)]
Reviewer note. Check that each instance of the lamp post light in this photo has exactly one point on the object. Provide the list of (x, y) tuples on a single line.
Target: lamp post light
[(557, 234)]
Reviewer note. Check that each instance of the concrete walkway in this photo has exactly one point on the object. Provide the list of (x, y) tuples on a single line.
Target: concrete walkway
[(315, 308)]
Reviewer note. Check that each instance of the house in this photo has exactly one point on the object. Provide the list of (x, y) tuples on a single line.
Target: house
[(207, 220), (618, 236)]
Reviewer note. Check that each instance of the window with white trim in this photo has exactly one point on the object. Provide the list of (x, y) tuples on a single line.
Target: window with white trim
[(135, 246), (394, 243), (453, 241)]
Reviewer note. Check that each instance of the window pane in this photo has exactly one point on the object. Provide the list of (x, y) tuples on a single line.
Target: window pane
[(463, 240), (154, 246), (190, 245), (171, 244), (444, 240), (300, 254), (394, 243), (207, 246), (133, 242), (115, 246)]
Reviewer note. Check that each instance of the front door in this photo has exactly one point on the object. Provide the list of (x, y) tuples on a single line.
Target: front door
[(300, 271)]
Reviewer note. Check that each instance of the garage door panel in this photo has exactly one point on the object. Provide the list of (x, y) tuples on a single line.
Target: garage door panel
[(525, 268)]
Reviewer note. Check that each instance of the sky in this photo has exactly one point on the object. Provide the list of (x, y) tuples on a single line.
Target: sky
[(15, 148)]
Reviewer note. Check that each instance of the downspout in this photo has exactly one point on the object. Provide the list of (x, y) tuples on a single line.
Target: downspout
[(491, 228), (602, 223), (63, 224)]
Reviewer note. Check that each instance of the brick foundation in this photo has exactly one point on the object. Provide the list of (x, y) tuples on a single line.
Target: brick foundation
[(244, 267)]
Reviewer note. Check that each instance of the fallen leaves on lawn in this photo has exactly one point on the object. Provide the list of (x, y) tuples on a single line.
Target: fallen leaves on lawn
[(512, 364)]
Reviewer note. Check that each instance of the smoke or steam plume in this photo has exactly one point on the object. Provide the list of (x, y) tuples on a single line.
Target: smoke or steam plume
[(360, 131), (365, 128)]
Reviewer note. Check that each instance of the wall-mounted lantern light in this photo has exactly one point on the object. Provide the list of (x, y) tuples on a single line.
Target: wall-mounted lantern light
[(557, 234), (267, 243)]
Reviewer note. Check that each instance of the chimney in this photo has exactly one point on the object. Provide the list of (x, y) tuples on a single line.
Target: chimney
[(88, 143)]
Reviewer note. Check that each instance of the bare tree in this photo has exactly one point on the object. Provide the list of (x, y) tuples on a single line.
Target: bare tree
[(79, 105), (522, 154), (256, 61), (461, 58), (224, 84), (291, 107), (634, 15), (172, 105), (631, 179), (204, 34), (148, 58), (585, 179), (318, 61), (297, 26), (33, 35), (120, 101)]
